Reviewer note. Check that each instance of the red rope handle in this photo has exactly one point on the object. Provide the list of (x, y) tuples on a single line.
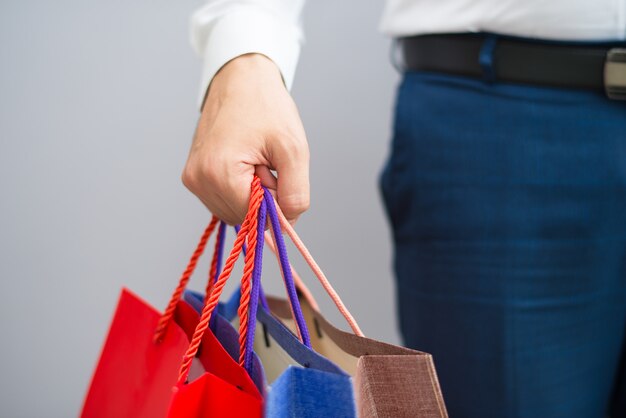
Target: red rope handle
[(256, 196), (182, 283), (246, 286), (213, 270)]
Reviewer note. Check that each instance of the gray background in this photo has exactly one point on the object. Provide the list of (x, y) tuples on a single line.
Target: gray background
[(97, 109)]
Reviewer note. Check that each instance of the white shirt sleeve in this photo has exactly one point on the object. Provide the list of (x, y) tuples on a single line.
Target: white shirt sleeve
[(225, 29)]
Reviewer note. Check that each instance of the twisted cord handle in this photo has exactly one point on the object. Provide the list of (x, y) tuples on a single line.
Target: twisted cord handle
[(216, 262), (246, 284), (256, 196), (167, 316), (289, 282), (246, 353)]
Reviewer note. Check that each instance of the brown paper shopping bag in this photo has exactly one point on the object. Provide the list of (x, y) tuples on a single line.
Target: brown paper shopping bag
[(389, 381)]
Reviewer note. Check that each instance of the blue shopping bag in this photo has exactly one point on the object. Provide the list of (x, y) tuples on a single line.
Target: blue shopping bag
[(308, 382)]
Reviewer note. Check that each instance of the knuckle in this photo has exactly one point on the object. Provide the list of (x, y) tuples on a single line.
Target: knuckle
[(199, 176), (189, 178), (230, 219), (297, 203)]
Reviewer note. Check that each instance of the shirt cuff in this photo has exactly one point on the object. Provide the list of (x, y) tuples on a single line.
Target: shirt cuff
[(250, 31)]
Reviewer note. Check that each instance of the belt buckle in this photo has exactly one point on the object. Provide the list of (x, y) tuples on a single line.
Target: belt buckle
[(615, 74)]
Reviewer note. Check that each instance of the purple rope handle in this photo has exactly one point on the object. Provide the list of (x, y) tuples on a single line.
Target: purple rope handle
[(286, 269), (256, 286)]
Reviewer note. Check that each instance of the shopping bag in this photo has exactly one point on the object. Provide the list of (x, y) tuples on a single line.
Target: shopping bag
[(390, 381), (135, 376), (221, 327), (146, 365), (301, 381), (228, 338), (276, 347), (303, 384)]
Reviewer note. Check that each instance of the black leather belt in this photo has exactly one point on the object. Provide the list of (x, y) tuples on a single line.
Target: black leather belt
[(572, 65)]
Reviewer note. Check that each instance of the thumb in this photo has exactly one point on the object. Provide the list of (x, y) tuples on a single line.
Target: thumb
[(292, 168)]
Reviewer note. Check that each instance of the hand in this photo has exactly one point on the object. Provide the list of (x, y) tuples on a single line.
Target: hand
[(249, 124)]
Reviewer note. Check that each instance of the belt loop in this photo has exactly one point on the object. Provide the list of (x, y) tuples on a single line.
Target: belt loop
[(485, 58)]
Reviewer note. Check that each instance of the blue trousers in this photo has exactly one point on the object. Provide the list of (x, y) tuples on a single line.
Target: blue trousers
[(508, 209)]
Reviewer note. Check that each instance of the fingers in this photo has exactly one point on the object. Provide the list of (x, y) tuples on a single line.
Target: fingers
[(267, 178), (221, 182), (234, 193)]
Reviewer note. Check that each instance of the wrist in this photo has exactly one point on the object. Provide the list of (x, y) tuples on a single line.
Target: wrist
[(240, 73), (252, 62)]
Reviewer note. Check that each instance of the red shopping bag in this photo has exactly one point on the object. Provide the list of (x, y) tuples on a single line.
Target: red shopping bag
[(137, 377), (148, 365)]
